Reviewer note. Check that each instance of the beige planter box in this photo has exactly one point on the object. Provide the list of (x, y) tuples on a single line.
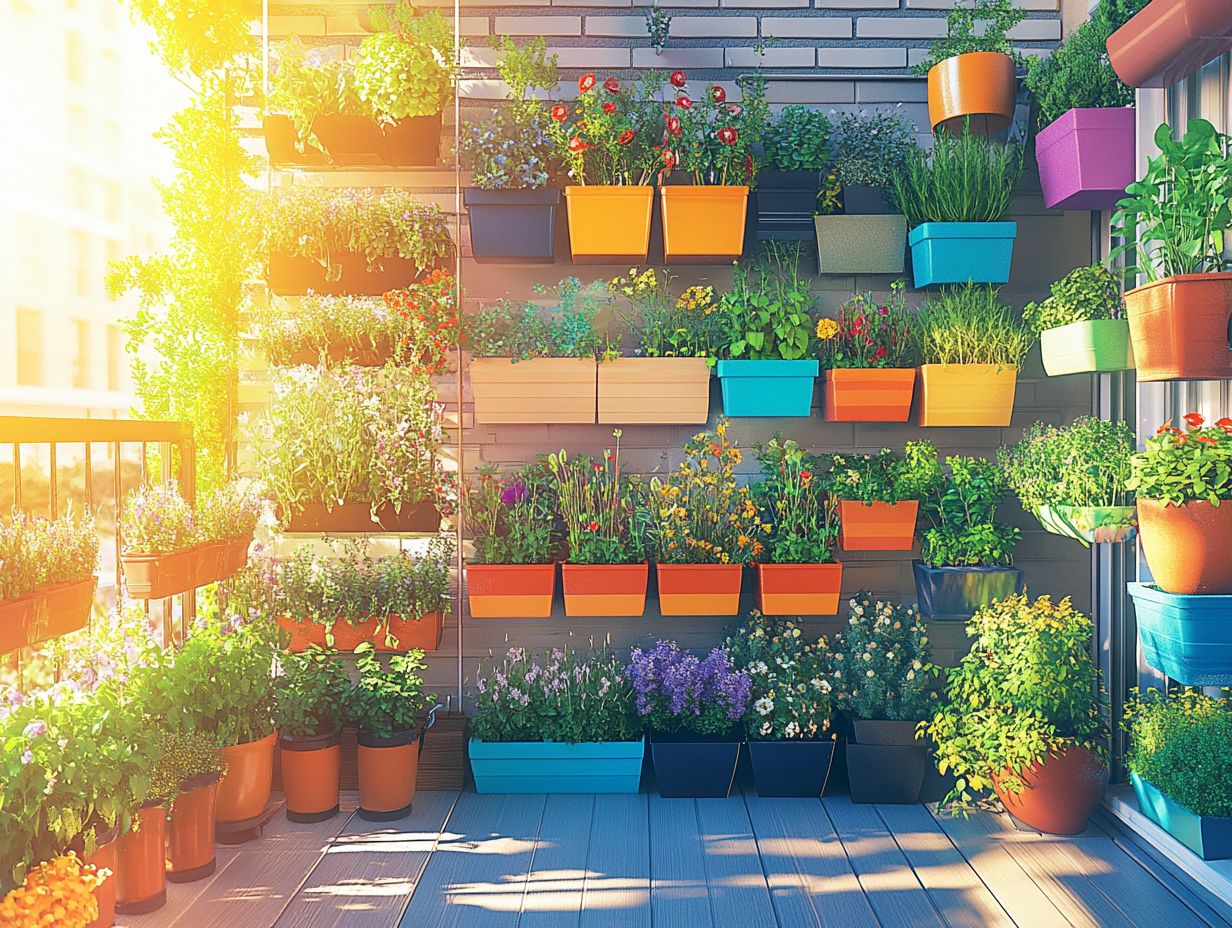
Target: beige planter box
[(545, 390), (655, 391)]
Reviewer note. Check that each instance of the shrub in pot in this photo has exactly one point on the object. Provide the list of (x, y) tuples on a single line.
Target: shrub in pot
[(310, 704), (159, 531), (1081, 325), (693, 707), (562, 721), (879, 495), (196, 761), (795, 152), (47, 586)]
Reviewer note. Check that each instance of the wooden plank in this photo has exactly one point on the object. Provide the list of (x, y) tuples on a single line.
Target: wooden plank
[(180, 896), (617, 888), (678, 895), (558, 865), (739, 895)]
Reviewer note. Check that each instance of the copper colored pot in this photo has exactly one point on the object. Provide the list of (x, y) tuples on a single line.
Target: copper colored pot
[(141, 869), (976, 90), (106, 857), (1060, 793), (1169, 39), (1187, 547), (1182, 327), (310, 775), (245, 788), (388, 770), (190, 832)]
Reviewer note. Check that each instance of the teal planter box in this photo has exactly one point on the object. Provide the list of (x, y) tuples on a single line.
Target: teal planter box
[(556, 767), (1186, 637), (957, 252), (767, 388), (1207, 836)]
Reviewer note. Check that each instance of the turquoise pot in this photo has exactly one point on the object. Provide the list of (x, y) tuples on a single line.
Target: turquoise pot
[(1188, 637), (556, 767), (958, 252), (1208, 836), (767, 388)]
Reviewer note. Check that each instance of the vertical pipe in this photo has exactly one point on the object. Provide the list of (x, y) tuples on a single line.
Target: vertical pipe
[(17, 476), (457, 211), (54, 467), (118, 490)]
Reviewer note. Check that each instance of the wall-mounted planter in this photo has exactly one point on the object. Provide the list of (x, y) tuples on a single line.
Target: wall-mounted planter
[(767, 388), (1087, 347), (207, 566), (357, 518), (885, 762), (1182, 327), (799, 589), (16, 616), (868, 394), (861, 244), (555, 767), (974, 92), (1188, 638), (310, 775), (413, 141), (609, 224), (866, 200), (784, 202), (604, 589), (510, 591), (1170, 39), (156, 576), (141, 877), (296, 275), (1092, 525), (791, 768), (1086, 158), (703, 224), (694, 766), (699, 589), (878, 526), (190, 831), (1187, 546), (280, 144), (958, 252), (512, 226), (967, 394), (1061, 792), (543, 390), (244, 791), (388, 772), (403, 635), (61, 610), (654, 391), (298, 636), (235, 556), (1208, 836), (955, 594), (350, 141)]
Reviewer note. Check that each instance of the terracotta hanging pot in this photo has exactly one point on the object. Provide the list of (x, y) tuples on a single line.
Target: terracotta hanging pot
[(62, 609), (357, 518), (510, 591), (413, 141), (799, 589), (1181, 327), (388, 770), (699, 589), (244, 791), (609, 224), (1188, 547), (1170, 39), (1060, 793), (236, 556), (966, 394), (16, 617), (190, 830), (542, 390), (157, 576), (395, 635), (207, 562), (141, 864), (298, 636), (654, 391), (106, 857), (605, 589), (310, 775), (868, 394), (703, 224), (350, 141), (974, 92), (878, 526)]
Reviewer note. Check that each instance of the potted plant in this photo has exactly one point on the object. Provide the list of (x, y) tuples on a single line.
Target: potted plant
[(971, 81), (227, 518), (1169, 40), (562, 721), (1072, 479), (47, 586), (795, 152), (385, 705), (955, 199), (796, 570), (532, 366), (310, 701), (512, 206), (1184, 637), (708, 528), (1176, 218), (886, 685), (766, 369), (197, 767), (1022, 718), (971, 347), (966, 554), (790, 741), (867, 358), (512, 573), (141, 853), (158, 532), (1081, 325), (1180, 764), (879, 495), (692, 707)]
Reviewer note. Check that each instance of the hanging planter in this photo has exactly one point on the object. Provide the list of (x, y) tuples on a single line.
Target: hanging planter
[(703, 224), (967, 394), (1060, 793), (556, 767), (512, 226), (885, 762), (699, 589), (604, 589), (280, 144), (1186, 546), (157, 576), (791, 768), (16, 617), (1086, 347), (1170, 39), (1092, 525), (767, 388), (190, 832), (868, 394), (207, 564), (357, 518), (955, 594), (687, 765), (1208, 836), (1086, 158), (962, 252), (350, 141), (394, 634), (974, 92), (310, 775), (412, 141), (541, 390), (1182, 327), (799, 589), (654, 391), (244, 790), (609, 225), (878, 526), (297, 275), (861, 244), (784, 203), (1187, 638), (141, 881), (235, 556), (388, 770), (510, 591), (60, 610)]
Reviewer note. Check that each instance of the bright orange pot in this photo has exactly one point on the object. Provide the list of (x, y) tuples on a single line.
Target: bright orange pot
[(799, 589), (190, 831), (542, 390), (1181, 327), (244, 791), (699, 589), (878, 526), (510, 591), (979, 87), (1187, 547), (609, 224), (967, 394), (655, 391), (605, 589), (300, 636), (703, 224), (106, 857), (208, 562), (141, 863), (424, 634), (310, 775), (388, 769), (868, 394), (1060, 794), (17, 617)]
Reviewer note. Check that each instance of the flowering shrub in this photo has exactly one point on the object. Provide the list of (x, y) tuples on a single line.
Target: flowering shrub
[(687, 326), (800, 518), (561, 696), (790, 685), (708, 137), (59, 893), (36, 553), (604, 138), (157, 520), (230, 511), (881, 662), (884, 477), (678, 692), (1180, 466), (523, 331), (1182, 745), (1086, 463), (512, 517), (868, 332)]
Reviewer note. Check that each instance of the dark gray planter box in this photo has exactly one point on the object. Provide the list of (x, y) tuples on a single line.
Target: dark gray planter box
[(955, 594), (785, 203), (512, 226)]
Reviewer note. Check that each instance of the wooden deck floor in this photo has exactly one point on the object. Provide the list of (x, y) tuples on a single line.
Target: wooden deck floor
[(641, 861)]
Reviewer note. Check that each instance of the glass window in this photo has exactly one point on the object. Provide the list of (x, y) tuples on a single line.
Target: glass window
[(29, 347), (75, 51), (81, 364), (115, 357)]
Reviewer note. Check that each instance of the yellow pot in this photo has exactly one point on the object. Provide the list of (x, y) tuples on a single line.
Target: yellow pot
[(967, 394), (703, 224), (609, 225)]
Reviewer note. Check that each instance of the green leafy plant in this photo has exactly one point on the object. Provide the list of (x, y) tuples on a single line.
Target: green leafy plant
[(1086, 463), (408, 70), (797, 139), (966, 178), (522, 331), (684, 326), (799, 517), (1083, 294), (157, 520), (961, 510), (512, 518), (37, 553), (606, 138), (1027, 690), (1180, 466), (707, 137), (881, 662), (790, 676), (869, 333), (230, 511), (1182, 745), (871, 147), (768, 308), (658, 26), (388, 700), (981, 26), (306, 83), (311, 693), (970, 324), (884, 477)]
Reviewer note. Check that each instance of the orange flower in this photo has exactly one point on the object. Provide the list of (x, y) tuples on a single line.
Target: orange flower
[(1194, 420)]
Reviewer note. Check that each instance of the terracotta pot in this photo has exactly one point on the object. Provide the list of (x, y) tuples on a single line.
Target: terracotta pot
[(357, 518), (1187, 547), (966, 394), (157, 576), (244, 790), (699, 589), (106, 856), (1170, 39), (350, 141), (62, 610), (979, 86), (296, 636), (388, 769), (544, 390), (703, 224), (605, 589), (190, 831), (207, 562), (141, 881), (16, 617), (868, 394), (310, 775), (295, 275), (424, 633), (1181, 327), (510, 591), (609, 224), (235, 557), (878, 526), (1060, 794), (654, 391), (799, 589)]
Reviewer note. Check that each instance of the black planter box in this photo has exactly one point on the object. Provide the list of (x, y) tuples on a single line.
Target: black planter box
[(791, 768), (413, 142), (862, 200), (512, 226), (692, 766), (886, 764), (955, 594), (785, 203)]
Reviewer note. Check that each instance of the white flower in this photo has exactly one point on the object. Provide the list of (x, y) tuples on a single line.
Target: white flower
[(764, 706), (870, 674), (793, 729)]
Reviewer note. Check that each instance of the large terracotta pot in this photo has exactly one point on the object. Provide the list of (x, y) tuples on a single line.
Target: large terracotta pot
[(1060, 794), (244, 791), (388, 769), (605, 589), (977, 86), (1170, 39), (106, 857), (654, 391), (510, 591), (1181, 327), (703, 224), (799, 589), (141, 865), (543, 390), (62, 609), (190, 831), (966, 394), (878, 526), (699, 589), (423, 633), (357, 518), (868, 394), (609, 224), (1187, 547), (310, 775)]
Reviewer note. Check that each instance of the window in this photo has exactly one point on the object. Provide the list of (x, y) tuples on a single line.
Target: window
[(81, 364), (79, 189), (75, 53), (111, 73), (115, 357), (78, 120), (81, 263), (29, 347), (112, 196)]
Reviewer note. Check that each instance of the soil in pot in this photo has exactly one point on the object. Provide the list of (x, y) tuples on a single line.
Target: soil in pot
[(1187, 547), (688, 765), (141, 868), (388, 769), (244, 790), (1060, 793), (310, 775), (791, 768), (190, 830)]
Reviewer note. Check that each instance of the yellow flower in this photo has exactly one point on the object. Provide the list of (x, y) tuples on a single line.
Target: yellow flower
[(826, 329)]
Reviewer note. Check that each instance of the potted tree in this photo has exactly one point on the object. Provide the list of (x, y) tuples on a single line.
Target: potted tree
[(310, 700), (795, 152), (1168, 40), (693, 708), (197, 763), (47, 587), (879, 495), (562, 721), (158, 531), (1177, 216), (1023, 718), (1081, 325)]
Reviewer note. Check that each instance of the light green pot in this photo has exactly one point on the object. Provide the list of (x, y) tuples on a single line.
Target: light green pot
[(1087, 347), (861, 244), (1090, 524)]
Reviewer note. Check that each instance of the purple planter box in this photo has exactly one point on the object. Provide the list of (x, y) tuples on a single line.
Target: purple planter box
[(1086, 158)]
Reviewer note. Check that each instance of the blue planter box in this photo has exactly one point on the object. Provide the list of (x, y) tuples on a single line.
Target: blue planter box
[(767, 388), (556, 767), (957, 252), (1189, 638), (1207, 836)]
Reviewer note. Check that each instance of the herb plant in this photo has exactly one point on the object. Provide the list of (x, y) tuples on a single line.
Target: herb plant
[(970, 324), (881, 663), (1181, 466), (1182, 745), (311, 693), (966, 178), (884, 477), (982, 26), (684, 326), (768, 308), (800, 518), (869, 333), (797, 139), (386, 701), (512, 518), (961, 510), (1083, 464), (523, 331), (37, 553), (157, 520), (1083, 294), (406, 68), (871, 147), (606, 513), (789, 676), (709, 138), (678, 692), (231, 511)]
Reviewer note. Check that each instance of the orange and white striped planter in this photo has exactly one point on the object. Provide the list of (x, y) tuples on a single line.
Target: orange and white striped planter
[(868, 394), (878, 526), (605, 589), (699, 589), (799, 589), (510, 591)]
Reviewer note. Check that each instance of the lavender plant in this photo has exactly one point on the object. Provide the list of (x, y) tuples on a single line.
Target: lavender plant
[(230, 511), (678, 692), (157, 520)]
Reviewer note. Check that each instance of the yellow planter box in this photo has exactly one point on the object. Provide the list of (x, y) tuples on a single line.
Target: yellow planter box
[(967, 394), (609, 224), (703, 224)]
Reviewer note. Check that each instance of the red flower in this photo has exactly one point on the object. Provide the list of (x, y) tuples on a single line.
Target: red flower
[(673, 124), (1166, 427), (1206, 440), (684, 103), (611, 85), (593, 526), (879, 353), (1226, 424), (718, 94), (560, 112), (577, 145), (728, 136), (586, 82), (669, 158), (1194, 420), (609, 107), (625, 137), (677, 78)]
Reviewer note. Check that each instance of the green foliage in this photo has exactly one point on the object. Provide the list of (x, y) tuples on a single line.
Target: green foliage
[(197, 36), (409, 71), (385, 701), (884, 477), (36, 553), (709, 138), (981, 26), (790, 679), (871, 147), (970, 324), (311, 693), (1083, 464), (1084, 293), (881, 662), (512, 518), (188, 754), (798, 515), (1182, 745), (1182, 466), (230, 511), (157, 520), (869, 333), (523, 331), (961, 509), (768, 308), (798, 139), (966, 178), (687, 326)]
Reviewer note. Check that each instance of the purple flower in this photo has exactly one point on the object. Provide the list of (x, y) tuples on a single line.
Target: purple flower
[(35, 728), (514, 493), (26, 757)]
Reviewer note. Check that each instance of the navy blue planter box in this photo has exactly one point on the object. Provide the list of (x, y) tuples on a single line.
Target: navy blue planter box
[(955, 594), (1208, 836), (791, 768), (885, 762), (691, 766), (957, 252), (556, 767), (1189, 638), (767, 388), (512, 226)]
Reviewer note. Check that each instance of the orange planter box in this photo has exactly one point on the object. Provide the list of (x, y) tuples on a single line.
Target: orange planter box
[(423, 633), (544, 390), (654, 391), (157, 576), (700, 589), (63, 609), (979, 86), (510, 591), (868, 394), (966, 394), (605, 589), (703, 224), (609, 224), (878, 526), (799, 589)]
